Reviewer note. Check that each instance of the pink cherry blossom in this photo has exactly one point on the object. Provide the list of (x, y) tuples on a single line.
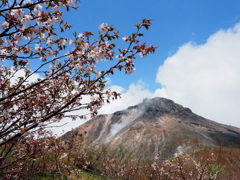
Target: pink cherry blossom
[(49, 41), (22, 28), (81, 35), (38, 47), (4, 25), (17, 13), (62, 5), (71, 42), (27, 18), (130, 70), (41, 36), (54, 8), (142, 53), (38, 8), (71, 2), (125, 38), (120, 57), (103, 28)]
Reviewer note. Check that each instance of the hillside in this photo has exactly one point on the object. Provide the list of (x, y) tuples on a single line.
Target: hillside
[(156, 126)]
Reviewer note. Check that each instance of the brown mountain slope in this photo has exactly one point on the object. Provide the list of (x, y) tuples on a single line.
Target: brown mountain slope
[(156, 126)]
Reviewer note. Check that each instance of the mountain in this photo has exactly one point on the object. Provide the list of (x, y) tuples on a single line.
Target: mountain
[(156, 126)]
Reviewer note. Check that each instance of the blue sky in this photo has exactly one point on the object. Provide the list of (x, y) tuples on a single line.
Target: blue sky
[(196, 64), (175, 23)]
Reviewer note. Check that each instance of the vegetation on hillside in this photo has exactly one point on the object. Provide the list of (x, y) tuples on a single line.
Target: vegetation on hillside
[(72, 159)]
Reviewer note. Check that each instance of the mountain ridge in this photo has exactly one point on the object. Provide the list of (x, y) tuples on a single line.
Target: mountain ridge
[(154, 127)]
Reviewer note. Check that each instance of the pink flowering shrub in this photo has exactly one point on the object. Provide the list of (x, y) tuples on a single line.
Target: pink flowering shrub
[(202, 165), (32, 99), (66, 158)]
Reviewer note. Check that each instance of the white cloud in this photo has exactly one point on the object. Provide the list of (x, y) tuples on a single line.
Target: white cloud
[(132, 96), (21, 73), (67, 124), (135, 94), (206, 78)]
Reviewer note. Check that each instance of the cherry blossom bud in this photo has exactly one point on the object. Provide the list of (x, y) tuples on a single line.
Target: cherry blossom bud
[(48, 74), (98, 42)]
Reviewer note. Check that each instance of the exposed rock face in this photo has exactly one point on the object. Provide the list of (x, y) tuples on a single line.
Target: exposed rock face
[(156, 126)]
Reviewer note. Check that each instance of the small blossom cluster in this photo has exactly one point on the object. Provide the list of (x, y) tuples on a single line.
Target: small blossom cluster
[(103, 28)]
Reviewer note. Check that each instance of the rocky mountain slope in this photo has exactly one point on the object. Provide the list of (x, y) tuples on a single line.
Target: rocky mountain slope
[(157, 126)]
